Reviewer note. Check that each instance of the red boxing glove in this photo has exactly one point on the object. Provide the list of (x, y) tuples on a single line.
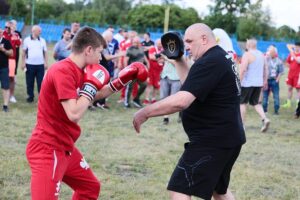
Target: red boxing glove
[(135, 70), (142, 71), (94, 78)]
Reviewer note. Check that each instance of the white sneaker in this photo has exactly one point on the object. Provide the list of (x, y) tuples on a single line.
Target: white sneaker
[(265, 126), (13, 99)]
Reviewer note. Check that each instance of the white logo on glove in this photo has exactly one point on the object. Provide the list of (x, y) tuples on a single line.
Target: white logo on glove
[(100, 75)]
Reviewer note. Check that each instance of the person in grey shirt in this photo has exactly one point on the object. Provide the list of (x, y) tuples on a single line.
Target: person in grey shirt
[(253, 76), (62, 48), (275, 68), (135, 53)]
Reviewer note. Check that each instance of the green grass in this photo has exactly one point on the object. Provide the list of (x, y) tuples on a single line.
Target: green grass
[(138, 167)]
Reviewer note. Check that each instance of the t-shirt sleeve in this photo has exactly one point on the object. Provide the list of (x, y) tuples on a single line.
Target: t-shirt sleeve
[(25, 44), (65, 85), (44, 45), (202, 79)]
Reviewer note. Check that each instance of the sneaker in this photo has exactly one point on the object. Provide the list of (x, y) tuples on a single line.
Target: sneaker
[(92, 108), (136, 103), (13, 99), (127, 105), (29, 100), (166, 121), (265, 126), (101, 106), (5, 108), (276, 112), (288, 104), (105, 106), (146, 102)]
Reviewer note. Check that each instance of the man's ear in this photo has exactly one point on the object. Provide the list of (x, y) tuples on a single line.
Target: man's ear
[(88, 50), (204, 39)]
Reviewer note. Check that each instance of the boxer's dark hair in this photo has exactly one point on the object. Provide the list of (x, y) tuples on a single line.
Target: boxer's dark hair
[(297, 43), (87, 36), (66, 30)]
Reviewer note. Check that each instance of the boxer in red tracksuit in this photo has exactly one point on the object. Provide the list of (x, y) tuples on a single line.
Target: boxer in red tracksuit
[(67, 90), (156, 62)]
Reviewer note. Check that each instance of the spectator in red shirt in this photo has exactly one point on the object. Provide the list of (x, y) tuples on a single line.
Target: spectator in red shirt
[(156, 63), (293, 80), (15, 41)]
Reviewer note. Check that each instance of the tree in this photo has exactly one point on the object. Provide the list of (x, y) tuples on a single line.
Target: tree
[(142, 17), (255, 22), (224, 14), (18, 8), (286, 33), (4, 7)]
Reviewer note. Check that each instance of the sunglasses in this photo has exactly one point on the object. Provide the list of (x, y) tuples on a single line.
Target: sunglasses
[(6, 27)]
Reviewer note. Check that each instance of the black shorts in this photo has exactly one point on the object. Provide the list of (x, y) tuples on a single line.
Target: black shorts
[(250, 95), (4, 78), (203, 170)]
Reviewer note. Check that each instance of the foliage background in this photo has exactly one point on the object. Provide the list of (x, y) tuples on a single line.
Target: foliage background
[(243, 18)]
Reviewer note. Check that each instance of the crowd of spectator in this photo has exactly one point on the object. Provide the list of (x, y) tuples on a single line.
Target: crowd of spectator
[(259, 72)]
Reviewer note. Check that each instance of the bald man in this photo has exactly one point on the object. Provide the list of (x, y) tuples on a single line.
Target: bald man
[(34, 61), (254, 77), (211, 118)]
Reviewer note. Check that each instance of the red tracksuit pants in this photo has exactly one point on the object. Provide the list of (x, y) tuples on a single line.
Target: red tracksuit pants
[(50, 167)]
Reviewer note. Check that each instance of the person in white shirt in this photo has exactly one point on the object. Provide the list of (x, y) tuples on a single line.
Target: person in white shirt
[(34, 61)]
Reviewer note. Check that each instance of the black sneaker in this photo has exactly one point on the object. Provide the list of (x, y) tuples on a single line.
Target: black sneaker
[(137, 103), (5, 109), (276, 112), (166, 121), (92, 108), (29, 100)]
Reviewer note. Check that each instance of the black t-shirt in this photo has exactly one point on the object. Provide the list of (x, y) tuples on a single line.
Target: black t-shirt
[(147, 44), (214, 118), (135, 54), (3, 57)]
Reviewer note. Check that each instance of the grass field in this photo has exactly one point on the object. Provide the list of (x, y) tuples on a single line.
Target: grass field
[(138, 167)]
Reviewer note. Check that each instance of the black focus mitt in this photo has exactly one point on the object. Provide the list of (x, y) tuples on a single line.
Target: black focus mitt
[(173, 45)]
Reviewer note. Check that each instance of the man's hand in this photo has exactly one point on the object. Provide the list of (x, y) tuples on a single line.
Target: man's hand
[(2, 48), (138, 119)]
